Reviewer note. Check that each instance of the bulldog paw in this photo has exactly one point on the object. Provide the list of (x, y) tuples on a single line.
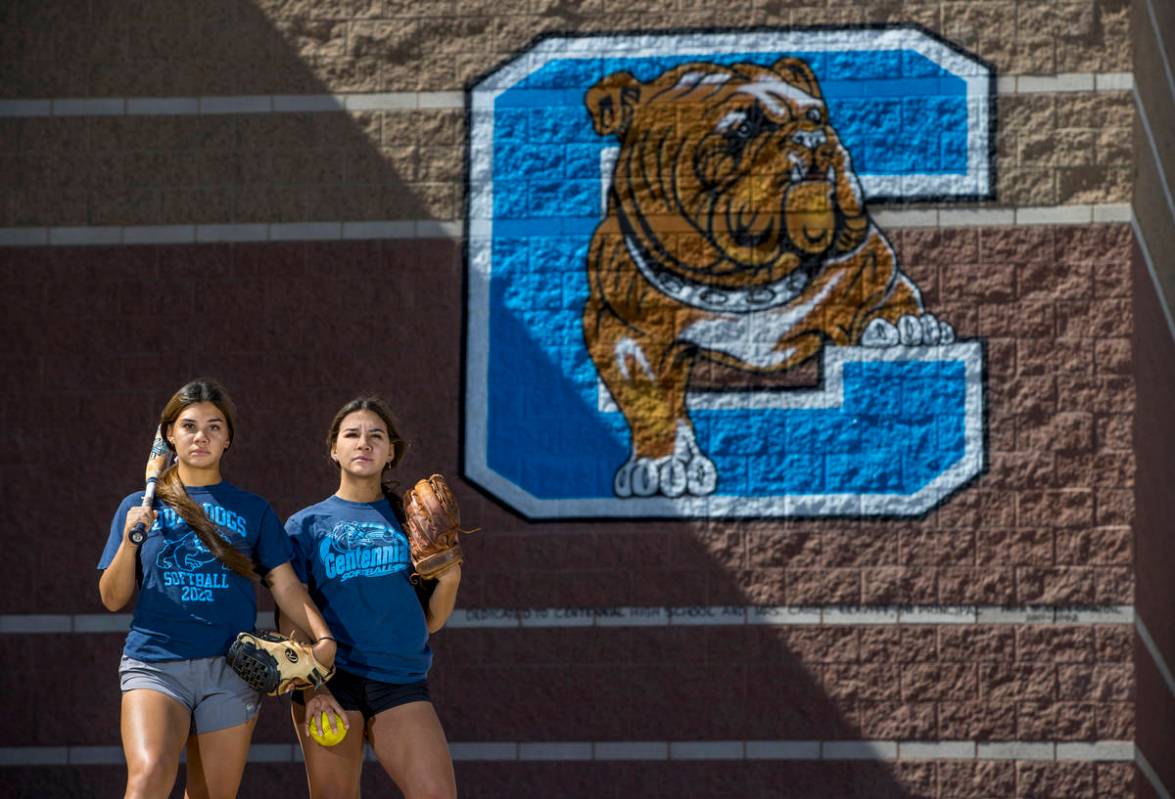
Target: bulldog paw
[(687, 470), (910, 331)]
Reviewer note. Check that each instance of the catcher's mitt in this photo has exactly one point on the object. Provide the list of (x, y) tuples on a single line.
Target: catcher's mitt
[(273, 664), (432, 522)]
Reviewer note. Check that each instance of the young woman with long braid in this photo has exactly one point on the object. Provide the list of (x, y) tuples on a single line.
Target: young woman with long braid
[(351, 551), (206, 548)]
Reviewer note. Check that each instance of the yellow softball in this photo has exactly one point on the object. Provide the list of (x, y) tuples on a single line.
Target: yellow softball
[(329, 735)]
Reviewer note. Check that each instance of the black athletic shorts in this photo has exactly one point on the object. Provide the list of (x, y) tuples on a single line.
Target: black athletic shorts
[(369, 696)]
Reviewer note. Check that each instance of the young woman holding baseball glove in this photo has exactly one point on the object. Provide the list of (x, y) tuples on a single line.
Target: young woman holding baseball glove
[(195, 563), (353, 554)]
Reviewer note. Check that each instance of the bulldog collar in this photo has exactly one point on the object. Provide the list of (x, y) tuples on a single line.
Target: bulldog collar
[(712, 298)]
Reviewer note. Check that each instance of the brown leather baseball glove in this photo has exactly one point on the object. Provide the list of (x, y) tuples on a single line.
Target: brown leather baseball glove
[(274, 664), (432, 522)]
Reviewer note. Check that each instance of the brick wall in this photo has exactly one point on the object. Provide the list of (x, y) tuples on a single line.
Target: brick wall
[(215, 122)]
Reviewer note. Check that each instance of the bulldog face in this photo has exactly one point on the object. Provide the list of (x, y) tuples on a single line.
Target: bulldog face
[(730, 175)]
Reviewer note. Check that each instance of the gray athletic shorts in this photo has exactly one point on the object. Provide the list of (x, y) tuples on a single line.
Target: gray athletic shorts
[(216, 697)]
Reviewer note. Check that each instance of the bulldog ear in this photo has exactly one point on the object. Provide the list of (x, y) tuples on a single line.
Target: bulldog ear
[(611, 103), (797, 72)]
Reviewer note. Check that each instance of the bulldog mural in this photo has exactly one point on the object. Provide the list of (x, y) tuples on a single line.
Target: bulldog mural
[(736, 231)]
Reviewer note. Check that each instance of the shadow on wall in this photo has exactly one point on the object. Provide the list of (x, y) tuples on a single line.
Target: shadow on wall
[(294, 329)]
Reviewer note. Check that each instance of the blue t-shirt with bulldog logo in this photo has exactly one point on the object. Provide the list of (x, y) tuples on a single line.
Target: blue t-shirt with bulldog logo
[(190, 604), (354, 558)]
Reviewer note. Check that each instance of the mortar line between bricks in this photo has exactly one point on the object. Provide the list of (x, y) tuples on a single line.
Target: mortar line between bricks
[(396, 229), (352, 102), (733, 750), (700, 615)]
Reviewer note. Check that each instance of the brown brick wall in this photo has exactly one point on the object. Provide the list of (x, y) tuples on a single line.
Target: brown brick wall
[(227, 47), (1054, 149)]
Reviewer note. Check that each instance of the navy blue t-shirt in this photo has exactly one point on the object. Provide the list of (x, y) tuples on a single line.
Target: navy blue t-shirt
[(190, 604), (354, 558)]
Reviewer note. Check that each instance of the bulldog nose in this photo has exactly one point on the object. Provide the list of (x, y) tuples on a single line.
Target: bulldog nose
[(810, 139)]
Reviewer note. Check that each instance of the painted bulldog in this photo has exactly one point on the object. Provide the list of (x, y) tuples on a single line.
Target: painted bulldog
[(735, 231)]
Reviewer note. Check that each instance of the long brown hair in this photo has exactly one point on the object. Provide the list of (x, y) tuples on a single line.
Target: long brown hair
[(171, 489), (380, 407)]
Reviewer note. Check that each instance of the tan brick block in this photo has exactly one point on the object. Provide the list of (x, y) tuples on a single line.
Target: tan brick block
[(1026, 186), (1018, 547), (441, 164), (409, 75), (1100, 469), (1015, 470), (1064, 147), (424, 8), (310, 38), (1027, 112), (439, 200), (1095, 111), (1094, 184), (1031, 55), (1107, 45), (406, 130), (977, 721), (1114, 146), (342, 74)]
